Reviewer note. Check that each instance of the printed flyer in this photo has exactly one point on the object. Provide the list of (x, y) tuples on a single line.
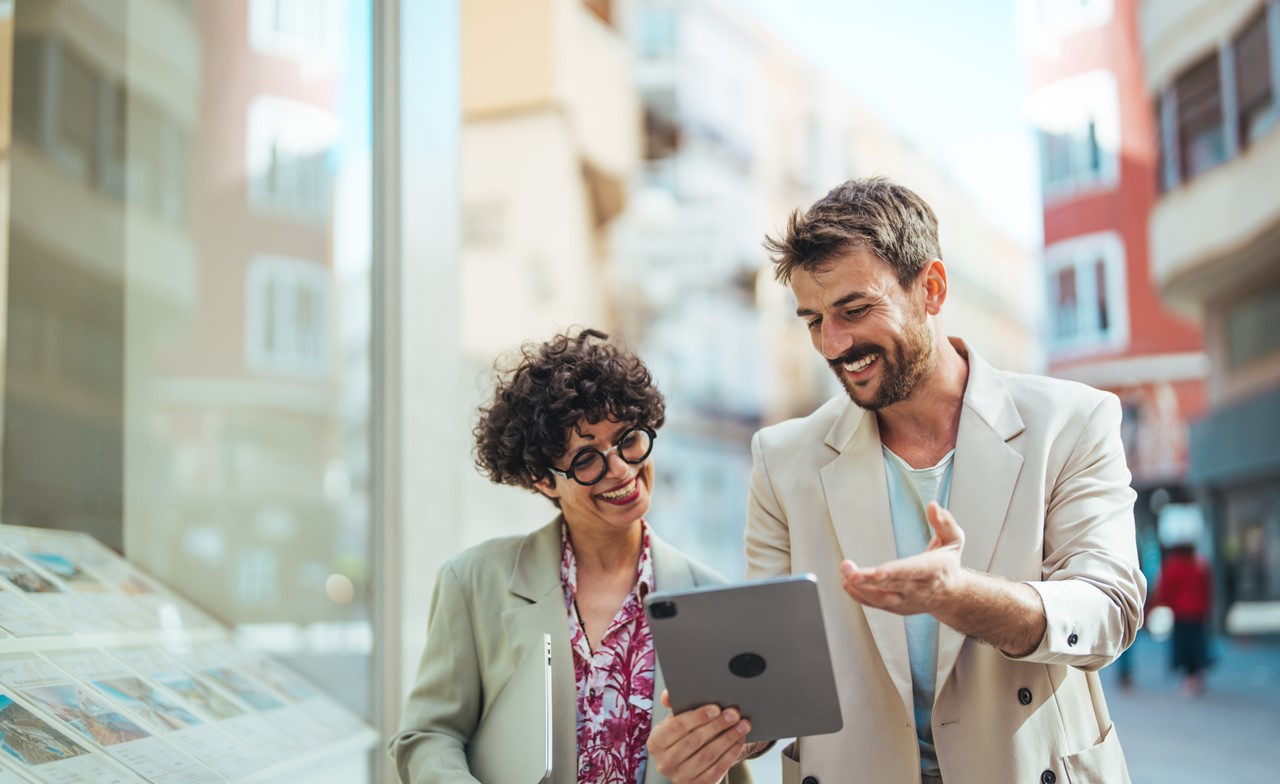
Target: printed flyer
[(161, 711), (47, 753), (50, 690)]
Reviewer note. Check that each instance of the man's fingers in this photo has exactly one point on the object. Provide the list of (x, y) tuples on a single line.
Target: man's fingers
[(666, 699), (872, 596), (944, 524), (851, 571)]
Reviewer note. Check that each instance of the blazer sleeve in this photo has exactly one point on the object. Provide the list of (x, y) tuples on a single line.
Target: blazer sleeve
[(1092, 588), (443, 709), (767, 537)]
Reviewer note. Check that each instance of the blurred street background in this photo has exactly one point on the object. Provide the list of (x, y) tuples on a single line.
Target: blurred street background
[(259, 257)]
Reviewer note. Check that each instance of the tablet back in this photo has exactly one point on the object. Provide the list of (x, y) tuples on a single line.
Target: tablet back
[(512, 745), (759, 646)]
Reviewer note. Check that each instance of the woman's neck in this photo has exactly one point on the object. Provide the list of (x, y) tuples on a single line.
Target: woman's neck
[(608, 551)]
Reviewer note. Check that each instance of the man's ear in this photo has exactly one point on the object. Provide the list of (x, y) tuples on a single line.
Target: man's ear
[(934, 276), (547, 486)]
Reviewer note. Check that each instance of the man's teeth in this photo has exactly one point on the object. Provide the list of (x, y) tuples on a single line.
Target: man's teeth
[(854, 367), (622, 492)]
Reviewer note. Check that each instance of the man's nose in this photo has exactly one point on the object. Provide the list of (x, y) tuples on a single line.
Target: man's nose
[(835, 339)]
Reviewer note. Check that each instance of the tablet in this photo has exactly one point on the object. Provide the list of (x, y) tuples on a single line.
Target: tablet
[(760, 647), (513, 744)]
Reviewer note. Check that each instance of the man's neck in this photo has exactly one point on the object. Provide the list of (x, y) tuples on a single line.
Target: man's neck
[(922, 429)]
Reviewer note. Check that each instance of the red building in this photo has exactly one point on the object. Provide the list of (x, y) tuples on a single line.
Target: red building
[(1106, 323)]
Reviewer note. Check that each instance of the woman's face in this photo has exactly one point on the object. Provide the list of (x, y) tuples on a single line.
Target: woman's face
[(617, 501)]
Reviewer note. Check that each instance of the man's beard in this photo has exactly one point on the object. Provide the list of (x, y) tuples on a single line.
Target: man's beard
[(912, 359)]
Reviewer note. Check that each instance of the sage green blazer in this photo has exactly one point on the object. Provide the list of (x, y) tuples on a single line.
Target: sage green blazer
[(491, 607)]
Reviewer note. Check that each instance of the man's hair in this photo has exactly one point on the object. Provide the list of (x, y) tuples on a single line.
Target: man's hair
[(551, 387), (873, 214)]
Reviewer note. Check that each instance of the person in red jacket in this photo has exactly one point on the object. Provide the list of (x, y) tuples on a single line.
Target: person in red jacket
[(1186, 588)]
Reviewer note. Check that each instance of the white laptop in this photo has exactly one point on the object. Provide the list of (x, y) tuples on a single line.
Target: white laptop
[(514, 746)]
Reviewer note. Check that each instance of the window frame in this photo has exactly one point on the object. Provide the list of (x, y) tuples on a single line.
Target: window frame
[(1082, 255)]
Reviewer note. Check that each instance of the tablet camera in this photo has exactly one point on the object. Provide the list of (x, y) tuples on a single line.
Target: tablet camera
[(747, 665), (663, 609)]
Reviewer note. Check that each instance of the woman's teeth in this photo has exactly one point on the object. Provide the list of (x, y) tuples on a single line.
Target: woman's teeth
[(621, 492)]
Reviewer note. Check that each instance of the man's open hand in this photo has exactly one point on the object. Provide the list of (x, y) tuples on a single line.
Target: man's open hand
[(916, 584)]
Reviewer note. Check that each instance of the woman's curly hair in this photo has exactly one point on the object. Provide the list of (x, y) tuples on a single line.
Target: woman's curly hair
[(551, 387)]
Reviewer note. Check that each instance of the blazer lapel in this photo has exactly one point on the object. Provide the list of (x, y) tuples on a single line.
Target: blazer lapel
[(670, 573), (858, 502), (982, 483), (536, 579)]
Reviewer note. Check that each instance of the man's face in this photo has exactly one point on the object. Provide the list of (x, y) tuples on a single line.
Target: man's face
[(873, 333)]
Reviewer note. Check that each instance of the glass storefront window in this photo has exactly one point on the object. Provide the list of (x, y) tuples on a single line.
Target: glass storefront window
[(187, 228)]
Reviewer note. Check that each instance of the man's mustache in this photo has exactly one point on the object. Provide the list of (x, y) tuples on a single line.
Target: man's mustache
[(855, 354)]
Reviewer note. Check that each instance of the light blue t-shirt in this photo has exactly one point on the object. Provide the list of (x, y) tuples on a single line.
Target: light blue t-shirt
[(910, 491)]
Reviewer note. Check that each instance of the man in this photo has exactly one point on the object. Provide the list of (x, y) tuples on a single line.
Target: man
[(971, 530)]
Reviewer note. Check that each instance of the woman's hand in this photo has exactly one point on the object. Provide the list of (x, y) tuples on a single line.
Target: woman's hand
[(697, 746)]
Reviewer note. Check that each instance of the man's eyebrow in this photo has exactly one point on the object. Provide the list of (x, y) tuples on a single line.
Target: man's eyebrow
[(845, 300)]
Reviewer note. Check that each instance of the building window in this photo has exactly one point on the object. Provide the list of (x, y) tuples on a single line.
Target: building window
[(294, 29), (1251, 328), (1079, 129), (661, 128), (656, 26), (1202, 137), (1061, 18), (287, 308), (90, 127), (1254, 90), (29, 59), (76, 113), (484, 224), (288, 157), (1087, 306)]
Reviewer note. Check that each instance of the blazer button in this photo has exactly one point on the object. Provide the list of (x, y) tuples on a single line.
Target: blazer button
[(810, 780), (1024, 696), (1072, 640), (1048, 777)]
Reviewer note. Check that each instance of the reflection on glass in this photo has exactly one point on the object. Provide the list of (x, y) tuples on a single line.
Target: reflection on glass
[(188, 319)]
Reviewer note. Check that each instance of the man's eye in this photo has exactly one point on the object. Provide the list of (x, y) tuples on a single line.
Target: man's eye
[(813, 324), (856, 312)]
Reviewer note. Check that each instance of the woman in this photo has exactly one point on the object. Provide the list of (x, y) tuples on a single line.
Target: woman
[(574, 420)]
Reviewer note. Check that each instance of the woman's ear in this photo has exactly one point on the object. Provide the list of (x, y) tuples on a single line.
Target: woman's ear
[(547, 486)]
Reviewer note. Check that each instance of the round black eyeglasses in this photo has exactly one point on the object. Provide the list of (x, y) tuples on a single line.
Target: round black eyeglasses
[(590, 464)]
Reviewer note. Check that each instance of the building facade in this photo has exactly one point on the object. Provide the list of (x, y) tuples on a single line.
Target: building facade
[(1211, 75), (739, 130), (1106, 323)]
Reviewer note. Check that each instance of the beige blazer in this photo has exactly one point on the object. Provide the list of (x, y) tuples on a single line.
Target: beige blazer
[(491, 607), (1041, 489)]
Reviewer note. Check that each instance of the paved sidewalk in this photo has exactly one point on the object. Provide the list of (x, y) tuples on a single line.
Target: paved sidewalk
[(1228, 734)]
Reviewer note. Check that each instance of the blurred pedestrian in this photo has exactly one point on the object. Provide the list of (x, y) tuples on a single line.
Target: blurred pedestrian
[(1185, 586), (1149, 562)]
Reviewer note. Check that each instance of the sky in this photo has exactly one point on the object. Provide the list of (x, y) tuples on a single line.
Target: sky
[(947, 74)]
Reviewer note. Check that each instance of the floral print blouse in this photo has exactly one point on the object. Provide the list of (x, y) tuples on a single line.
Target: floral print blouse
[(615, 681)]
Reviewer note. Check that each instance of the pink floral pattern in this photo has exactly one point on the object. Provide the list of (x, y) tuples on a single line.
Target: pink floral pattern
[(615, 681)]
